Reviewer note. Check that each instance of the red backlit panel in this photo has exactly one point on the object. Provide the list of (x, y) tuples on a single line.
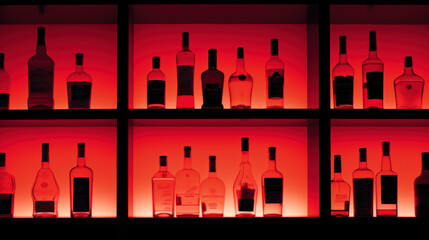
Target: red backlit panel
[(22, 143), (394, 42), (96, 41), (165, 40)]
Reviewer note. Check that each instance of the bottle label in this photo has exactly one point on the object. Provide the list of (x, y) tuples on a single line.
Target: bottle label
[(275, 85), (212, 95), (245, 205), (81, 195), (5, 203), (363, 197), (185, 80), (389, 189), (273, 190), (40, 81), (343, 90), (155, 92), (246, 199), (163, 193), (4, 100), (80, 92), (186, 200), (45, 206), (374, 85), (422, 200)]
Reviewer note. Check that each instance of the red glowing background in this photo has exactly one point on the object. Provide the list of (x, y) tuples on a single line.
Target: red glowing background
[(62, 136), (98, 43), (394, 42), (165, 40), (407, 142)]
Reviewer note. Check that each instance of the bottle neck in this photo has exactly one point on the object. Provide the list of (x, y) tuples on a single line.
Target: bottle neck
[(372, 54), (81, 161), (1, 63), (163, 169), (240, 65), (408, 70), (212, 174), (79, 68), (363, 165), (272, 165), (343, 57), (2, 168), (187, 163), (244, 156), (385, 163), (45, 165), (338, 176)]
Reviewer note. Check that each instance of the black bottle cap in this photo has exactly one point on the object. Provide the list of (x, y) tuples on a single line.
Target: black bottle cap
[(40, 36), (185, 39), (240, 52), (187, 150), (386, 148), (343, 45), (2, 159), (1, 60), (274, 47), (212, 58), (156, 62), (45, 152), (337, 163), (81, 149), (244, 144), (272, 152), (212, 163), (408, 61), (79, 59), (163, 161), (372, 40), (362, 154), (425, 160)]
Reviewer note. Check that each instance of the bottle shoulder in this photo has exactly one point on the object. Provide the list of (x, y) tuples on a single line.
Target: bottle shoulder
[(271, 174), (79, 77), (212, 181), (423, 178), (188, 172), (274, 63), (212, 72), (156, 74), (373, 60), (40, 59), (363, 173), (409, 78), (81, 170), (343, 69), (163, 175)]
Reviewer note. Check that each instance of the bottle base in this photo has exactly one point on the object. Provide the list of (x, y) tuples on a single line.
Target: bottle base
[(157, 106), (240, 107), (45, 215), (245, 215), (272, 215), (163, 215), (187, 215), (80, 215), (339, 213), (213, 215), (387, 213)]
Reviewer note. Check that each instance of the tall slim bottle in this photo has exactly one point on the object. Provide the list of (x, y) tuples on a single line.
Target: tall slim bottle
[(421, 189), (45, 191), (340, 192), (240, 84), (79, 85), (185, 60), (7, 190), (156, 86), (342, 76), (212, 192), (274, 71), (409, 87), (40, 76), (4, 85), (272, 187), (163, 191), (363, 188), (386, 186), (245, 188), (187, 188), (212, 82), (372, 76), (81, 183)]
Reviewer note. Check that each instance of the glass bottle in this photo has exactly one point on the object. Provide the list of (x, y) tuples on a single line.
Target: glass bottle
[(386, 186), (212, 82), (7, 189), (185, 74), (409, 88), (79, 86), (363, 188), (4, 85), (421, 189), (40, 76), (212, 192), (340, 192), (272, 187), (343, 75), (163, 191), (45, 191), (187, 188), (240, 84), (372, 76), (156, 86), (81, 183), (245, 188), (274, 71)]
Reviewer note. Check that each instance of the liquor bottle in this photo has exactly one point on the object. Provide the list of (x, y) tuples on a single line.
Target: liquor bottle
[(81, 182), (40, 76), (421, 189), (272, 187), (274, 71), (163, 191), (212, 192), (79, 86), (212, 82), (343, 79), (156, 86), (409, 88), (185, 60), (372, 76), (187, 188), (245, 188), (340, 192), (7, 189), (45, 192), (240, 84), (363, 188), (4, 85), (386, 186)]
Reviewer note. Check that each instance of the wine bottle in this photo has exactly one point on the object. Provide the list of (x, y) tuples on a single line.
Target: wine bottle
[(274, 71), (421, 189), (272, 187), (240, 84), (212, 82), (212, 192), (163, 191), (409, 88), (363, 188), (185, 74), (340, 192), (79, 85), (4, 85), (156, 86), (343, 75), (7, 190)]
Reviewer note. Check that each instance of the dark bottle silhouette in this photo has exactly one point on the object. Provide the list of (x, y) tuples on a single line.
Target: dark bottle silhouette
[(421, 189), (342, 76), (7, 189), (212, 82), (79, 85), (156, 86), (4, 85), (185, 74), (363, 188)]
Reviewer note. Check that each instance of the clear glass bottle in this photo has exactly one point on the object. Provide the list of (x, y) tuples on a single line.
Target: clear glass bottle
[(185, 74), (421, 189), (79, 85), (272, 187), (372, 76), (212, 82), (156, 86), (81, 183), (245, 188), (45, 191), (187, 188), (40, 76), (4, 85), (409, 88), (274, 72), (240, 84), (163, 191), (363, 188), (386, 186), (342, 76), (212, 192), (7, 190), (340, 192)]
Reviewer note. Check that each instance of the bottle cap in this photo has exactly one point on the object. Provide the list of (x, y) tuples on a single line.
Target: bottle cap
[(185, 39), (45, 152), (362, 154), (337, 163), (212, 58), (425, 160), (212, 163), (81, 149), (240, 52), (163, 161), (372, 40), (1, 60), (187, 150), (408, 61), (244, 144), (40, 36), (79, 58), (272, 151), (343, 45), (386, 148), (156, 62), (2, 159), (274, 47)]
